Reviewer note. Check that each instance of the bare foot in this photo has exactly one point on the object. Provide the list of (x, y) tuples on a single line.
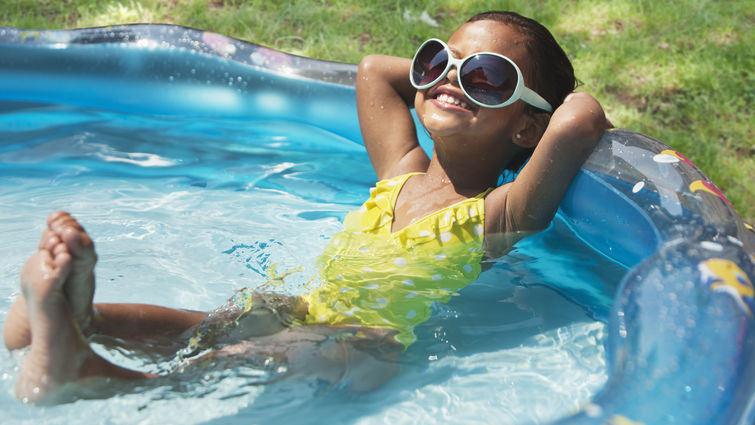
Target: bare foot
[(59, 353), (78, 286), (57, 342)]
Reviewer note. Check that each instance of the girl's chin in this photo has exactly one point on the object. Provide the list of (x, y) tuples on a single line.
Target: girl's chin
[(444, 125)]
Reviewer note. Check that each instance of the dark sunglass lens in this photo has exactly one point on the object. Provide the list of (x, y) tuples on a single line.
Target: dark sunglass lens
[(488, 79), (430, 62)]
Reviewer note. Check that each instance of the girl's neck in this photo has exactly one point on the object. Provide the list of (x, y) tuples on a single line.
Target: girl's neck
[(467, 171)]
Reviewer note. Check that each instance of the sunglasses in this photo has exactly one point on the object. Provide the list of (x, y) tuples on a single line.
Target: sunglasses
[(487, 79)]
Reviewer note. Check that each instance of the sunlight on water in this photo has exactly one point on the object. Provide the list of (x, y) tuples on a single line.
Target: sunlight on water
[(184, 212)]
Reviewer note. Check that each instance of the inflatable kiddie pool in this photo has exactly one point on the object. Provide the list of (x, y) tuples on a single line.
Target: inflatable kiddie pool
[(681, 343)]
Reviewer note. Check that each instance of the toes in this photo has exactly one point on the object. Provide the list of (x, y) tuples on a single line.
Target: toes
[(62, 262), (44, 258), (55, 216), (48, 239), (77, 240), (57, 258), (43, 273), (60, 220), (58, 249), (56, 261), (70, 232)]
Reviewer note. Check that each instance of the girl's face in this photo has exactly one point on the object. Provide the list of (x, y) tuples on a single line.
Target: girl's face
[(444, 110)]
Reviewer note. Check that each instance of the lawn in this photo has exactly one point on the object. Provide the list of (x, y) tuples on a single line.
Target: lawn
[(679, 71)]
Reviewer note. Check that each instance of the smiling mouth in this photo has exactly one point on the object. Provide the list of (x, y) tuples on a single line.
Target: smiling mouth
[(451, 100)]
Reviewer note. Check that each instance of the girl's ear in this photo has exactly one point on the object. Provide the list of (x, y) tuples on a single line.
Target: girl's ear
[(532, 130)]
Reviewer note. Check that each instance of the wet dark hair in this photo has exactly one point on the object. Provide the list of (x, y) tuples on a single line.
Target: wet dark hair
[(550, 74)]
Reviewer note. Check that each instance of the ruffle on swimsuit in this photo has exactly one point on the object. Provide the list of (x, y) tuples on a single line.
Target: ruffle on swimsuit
[(377, 278)]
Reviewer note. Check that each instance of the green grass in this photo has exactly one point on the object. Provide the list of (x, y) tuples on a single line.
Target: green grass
[(680, 71)]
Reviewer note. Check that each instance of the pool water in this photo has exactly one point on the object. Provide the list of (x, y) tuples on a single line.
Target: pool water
[(185, 211)]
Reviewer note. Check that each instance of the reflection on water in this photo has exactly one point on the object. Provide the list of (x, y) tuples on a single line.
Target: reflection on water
[(184, 212)]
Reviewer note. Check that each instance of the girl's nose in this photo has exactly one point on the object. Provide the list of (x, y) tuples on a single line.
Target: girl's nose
[(453, 76)]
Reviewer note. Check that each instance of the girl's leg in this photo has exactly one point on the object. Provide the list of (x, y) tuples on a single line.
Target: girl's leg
[(138, 321), (56, 304), (360, 359), (149, 327), (116, 320), (123, 321)]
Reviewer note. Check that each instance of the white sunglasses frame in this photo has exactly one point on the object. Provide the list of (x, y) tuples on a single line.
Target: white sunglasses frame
[(520, 91)]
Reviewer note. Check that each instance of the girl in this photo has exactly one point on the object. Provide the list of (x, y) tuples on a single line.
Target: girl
[(498, 92)]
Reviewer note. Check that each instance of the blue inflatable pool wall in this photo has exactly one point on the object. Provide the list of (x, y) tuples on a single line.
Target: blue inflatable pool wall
[(681, 336)]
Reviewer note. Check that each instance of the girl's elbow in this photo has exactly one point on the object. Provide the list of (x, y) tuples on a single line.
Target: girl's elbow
[(589, 122), (595, 126), (591, 117), (369, 64)]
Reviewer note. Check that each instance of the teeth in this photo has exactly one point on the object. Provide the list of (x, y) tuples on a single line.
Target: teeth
[(446, 98)]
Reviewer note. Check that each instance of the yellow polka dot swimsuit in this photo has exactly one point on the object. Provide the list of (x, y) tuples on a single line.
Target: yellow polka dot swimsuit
[(378, 278)]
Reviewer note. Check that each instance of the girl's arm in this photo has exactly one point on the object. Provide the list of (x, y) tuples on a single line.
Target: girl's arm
[(383, 98), (531, 200)]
